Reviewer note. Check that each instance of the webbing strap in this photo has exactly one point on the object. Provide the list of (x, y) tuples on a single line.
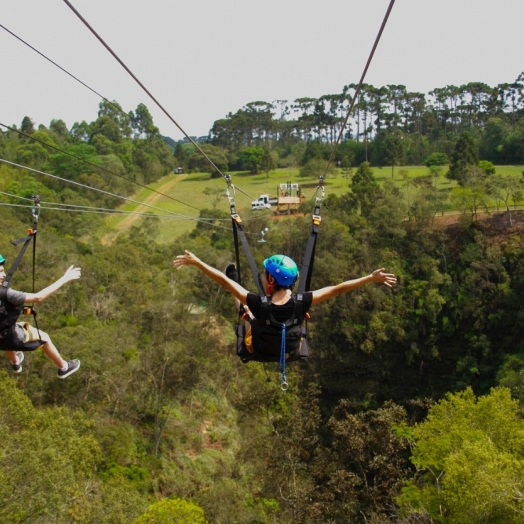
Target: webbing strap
[(282, 363), (306, 269), (18, 258), (239, 233)]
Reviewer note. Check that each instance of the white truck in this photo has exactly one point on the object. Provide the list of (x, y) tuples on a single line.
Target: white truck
[(289, 199), (264, 202)]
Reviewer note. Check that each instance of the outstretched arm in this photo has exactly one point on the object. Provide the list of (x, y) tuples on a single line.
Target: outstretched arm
[(72, 273), (188, 259), (388, 279)]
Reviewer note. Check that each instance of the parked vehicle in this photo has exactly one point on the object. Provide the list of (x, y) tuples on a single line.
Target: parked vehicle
[(264, 202), (288, 199)]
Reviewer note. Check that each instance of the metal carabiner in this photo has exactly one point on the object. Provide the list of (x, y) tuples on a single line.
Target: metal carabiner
[(35, 210), (230, 198)]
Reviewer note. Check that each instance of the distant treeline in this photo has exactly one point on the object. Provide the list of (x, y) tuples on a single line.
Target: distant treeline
[(388, 124)]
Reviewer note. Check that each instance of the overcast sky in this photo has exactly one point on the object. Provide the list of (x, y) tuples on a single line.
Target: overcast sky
[(202, 59)]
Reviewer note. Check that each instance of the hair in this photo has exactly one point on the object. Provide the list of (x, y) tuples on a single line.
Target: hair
[(276, 285)]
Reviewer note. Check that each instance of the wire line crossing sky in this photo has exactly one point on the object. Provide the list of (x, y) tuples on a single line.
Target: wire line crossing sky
[(207, 58)]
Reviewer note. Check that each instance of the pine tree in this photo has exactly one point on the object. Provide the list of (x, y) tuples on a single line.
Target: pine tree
[(464, 156)]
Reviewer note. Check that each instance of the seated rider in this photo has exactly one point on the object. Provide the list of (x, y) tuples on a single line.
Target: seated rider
[(17, 337), (280, 274)]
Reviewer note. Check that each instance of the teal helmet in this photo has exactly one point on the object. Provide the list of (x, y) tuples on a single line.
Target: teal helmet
[(282, 268), (2, 260)]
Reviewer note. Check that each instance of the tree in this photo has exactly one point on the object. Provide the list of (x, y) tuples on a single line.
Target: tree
[(142, 122), (173, 511), (269, 161), (487, 167), (46, 458), (217, 155), (252, 157), (470, 452), (468, 200), (436, 159), (316, 167), (365, 188), (394, 148), (27, 126), (465, 155)]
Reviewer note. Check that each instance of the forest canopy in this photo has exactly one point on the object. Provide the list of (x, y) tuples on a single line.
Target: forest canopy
[(410, 407)]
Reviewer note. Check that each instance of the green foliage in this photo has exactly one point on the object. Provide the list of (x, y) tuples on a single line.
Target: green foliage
[(251, 158), (487, 167), (465, 155), (436, 159), (216, 154), (316, 167), (162, 410), (365, 188), (173, 511), (471, 453), (47, 458)]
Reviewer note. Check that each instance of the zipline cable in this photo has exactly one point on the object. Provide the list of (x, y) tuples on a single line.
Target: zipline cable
[(359, 87), (64, 70), (90, 187), (107, 100), (21, 133), (94, 211), (76, 207), (175, 215), (100, 39)]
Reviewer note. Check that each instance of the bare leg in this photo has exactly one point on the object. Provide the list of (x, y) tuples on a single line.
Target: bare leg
[(50, 351), (11, 355)]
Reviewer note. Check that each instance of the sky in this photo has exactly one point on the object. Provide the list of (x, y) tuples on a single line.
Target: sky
[(202, 59)]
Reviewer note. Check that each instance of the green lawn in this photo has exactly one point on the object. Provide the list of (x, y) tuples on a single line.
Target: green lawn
[(190, 190)]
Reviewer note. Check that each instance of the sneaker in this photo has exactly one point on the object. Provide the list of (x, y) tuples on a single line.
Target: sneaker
[(17, 368), (72, 366), (231, 272)]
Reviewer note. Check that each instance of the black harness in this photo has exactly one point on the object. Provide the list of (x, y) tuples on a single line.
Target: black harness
[(9, 313), (266, 331)]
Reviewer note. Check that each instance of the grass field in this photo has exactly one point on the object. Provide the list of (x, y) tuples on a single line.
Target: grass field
[(198, 191)]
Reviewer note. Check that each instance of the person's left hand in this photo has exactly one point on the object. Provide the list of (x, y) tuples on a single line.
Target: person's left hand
[(388, 279)]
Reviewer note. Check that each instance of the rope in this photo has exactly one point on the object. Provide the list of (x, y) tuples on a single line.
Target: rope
[(107, 192), (282, 364), (359, 87), (84, 21), (96, 166), (35, 212), (100, 210), (100, 39), (65, 71)]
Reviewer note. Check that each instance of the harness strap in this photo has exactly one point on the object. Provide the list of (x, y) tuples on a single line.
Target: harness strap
[(238, 232), (18, 259), (306, 269), (282, 364), (35, 212)]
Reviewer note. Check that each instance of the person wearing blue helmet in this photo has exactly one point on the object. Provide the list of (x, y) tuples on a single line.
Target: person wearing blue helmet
[(17, 337), (280, 274)]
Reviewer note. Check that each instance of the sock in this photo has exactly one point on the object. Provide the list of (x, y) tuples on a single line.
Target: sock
[(65, 367)]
